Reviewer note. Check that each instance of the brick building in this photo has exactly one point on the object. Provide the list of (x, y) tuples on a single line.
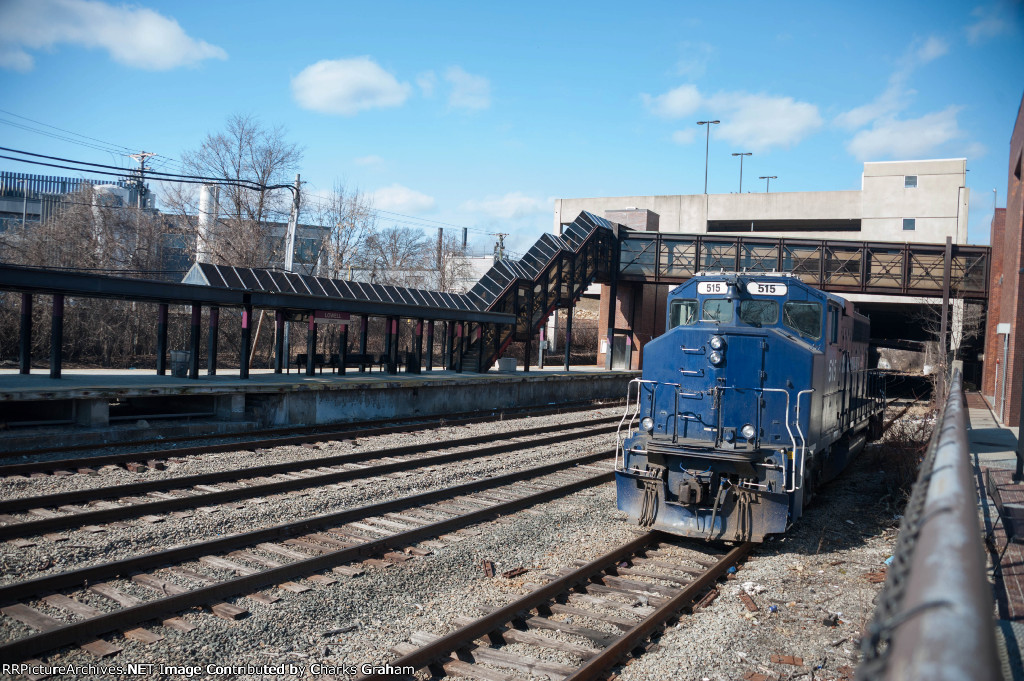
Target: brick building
[(1004, 338)]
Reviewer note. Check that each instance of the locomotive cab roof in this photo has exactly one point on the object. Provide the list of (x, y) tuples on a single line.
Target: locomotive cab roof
[(744, 299), (739, 279)]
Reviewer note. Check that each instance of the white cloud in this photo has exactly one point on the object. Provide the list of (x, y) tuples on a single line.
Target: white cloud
[(401, 199), (684, 136), (991, 21), (758, 122), (755, 121), (911, 138), (468, 91), (427, 82), (347, 86), (371, 161), (897, 95), (508, 207), (132, 36), (889, 136), (932, 48), (682, 101)]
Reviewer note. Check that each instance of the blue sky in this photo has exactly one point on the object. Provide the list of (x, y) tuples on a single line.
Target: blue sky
[(480, 114)]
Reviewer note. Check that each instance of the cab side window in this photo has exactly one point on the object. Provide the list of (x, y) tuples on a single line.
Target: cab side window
[(717, 310), (804, 317), (682, 313)]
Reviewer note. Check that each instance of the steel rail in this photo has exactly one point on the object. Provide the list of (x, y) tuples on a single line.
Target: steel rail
[(289, 436), (596, 666), (92, 574), (436, 652), (127, 617), (212, 498), (97, 493)]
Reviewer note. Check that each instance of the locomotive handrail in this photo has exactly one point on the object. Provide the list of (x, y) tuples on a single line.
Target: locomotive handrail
[(803, 438), (791, 486), (693, 351), (619, 439), (789, 430)]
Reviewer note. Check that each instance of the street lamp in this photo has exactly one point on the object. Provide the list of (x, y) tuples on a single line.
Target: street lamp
[(768, 181), (741, 154), (707, 145)]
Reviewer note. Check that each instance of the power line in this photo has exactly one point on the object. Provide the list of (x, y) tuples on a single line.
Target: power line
[(70, 132), (109, 147), (244, 184)]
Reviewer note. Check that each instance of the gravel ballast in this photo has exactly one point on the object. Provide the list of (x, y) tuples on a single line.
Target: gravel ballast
[(816, 577)]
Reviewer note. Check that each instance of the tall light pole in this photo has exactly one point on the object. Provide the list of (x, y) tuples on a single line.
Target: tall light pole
[(741, 154), (768, 181), (707, 145)]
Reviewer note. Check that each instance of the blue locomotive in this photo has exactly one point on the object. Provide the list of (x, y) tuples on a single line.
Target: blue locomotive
[(757, 392)]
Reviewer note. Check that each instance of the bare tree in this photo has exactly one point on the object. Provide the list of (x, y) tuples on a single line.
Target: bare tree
[(91, 234), (246, 152), (348, 219), (395, 255)]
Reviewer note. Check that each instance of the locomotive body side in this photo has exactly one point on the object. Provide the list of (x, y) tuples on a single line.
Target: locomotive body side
[(756, 392)]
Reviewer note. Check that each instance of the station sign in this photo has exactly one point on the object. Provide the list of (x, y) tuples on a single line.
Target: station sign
[(710, 288), (330, 317), (757, 288)]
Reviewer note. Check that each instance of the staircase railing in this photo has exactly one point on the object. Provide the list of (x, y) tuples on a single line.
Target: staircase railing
[(553, 274)]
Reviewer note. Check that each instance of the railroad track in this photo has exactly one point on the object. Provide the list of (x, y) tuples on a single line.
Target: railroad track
[(626, 595), (267, 558), (67, 510), (272, 437)]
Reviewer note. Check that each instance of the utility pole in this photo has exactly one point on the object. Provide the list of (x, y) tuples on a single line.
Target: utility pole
[(289, 254), (293, 223), (741, 154), (140, 187), (499, 248)]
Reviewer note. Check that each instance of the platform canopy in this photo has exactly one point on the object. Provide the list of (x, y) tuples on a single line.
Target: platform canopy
[(300, 292)]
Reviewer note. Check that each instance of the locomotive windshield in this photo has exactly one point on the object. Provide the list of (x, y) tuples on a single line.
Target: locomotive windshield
[(759, 312), (804, 317), (682, 313), (717, 310)]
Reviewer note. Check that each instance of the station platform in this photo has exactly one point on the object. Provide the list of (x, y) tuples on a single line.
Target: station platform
[(993, 448), (109, 404)]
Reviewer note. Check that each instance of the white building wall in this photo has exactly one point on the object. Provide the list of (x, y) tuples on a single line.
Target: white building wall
[(938, 205)]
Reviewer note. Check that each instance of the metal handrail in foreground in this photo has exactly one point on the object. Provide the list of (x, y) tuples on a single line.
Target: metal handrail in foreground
[(934, 618)]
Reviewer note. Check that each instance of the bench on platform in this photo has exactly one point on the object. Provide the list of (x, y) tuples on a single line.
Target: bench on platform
[(318, 361)]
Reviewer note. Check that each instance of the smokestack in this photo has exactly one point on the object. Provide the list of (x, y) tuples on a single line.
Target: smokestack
[(209, 207)]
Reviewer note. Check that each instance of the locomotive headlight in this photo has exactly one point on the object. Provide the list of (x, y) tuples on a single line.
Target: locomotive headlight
[(647, 423), (715, 357), (716, 343), (748, 431)]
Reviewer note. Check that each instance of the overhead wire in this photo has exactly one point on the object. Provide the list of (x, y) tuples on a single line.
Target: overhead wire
[(184, 179), (112, 148), (399, 219)]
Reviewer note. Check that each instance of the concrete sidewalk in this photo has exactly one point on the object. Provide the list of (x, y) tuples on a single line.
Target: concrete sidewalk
[(993, 454)]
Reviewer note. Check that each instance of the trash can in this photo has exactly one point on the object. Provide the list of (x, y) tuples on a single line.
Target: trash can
[(179, 363)]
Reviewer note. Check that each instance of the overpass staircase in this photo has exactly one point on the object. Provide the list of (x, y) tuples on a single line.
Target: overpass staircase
[(553, 274)]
